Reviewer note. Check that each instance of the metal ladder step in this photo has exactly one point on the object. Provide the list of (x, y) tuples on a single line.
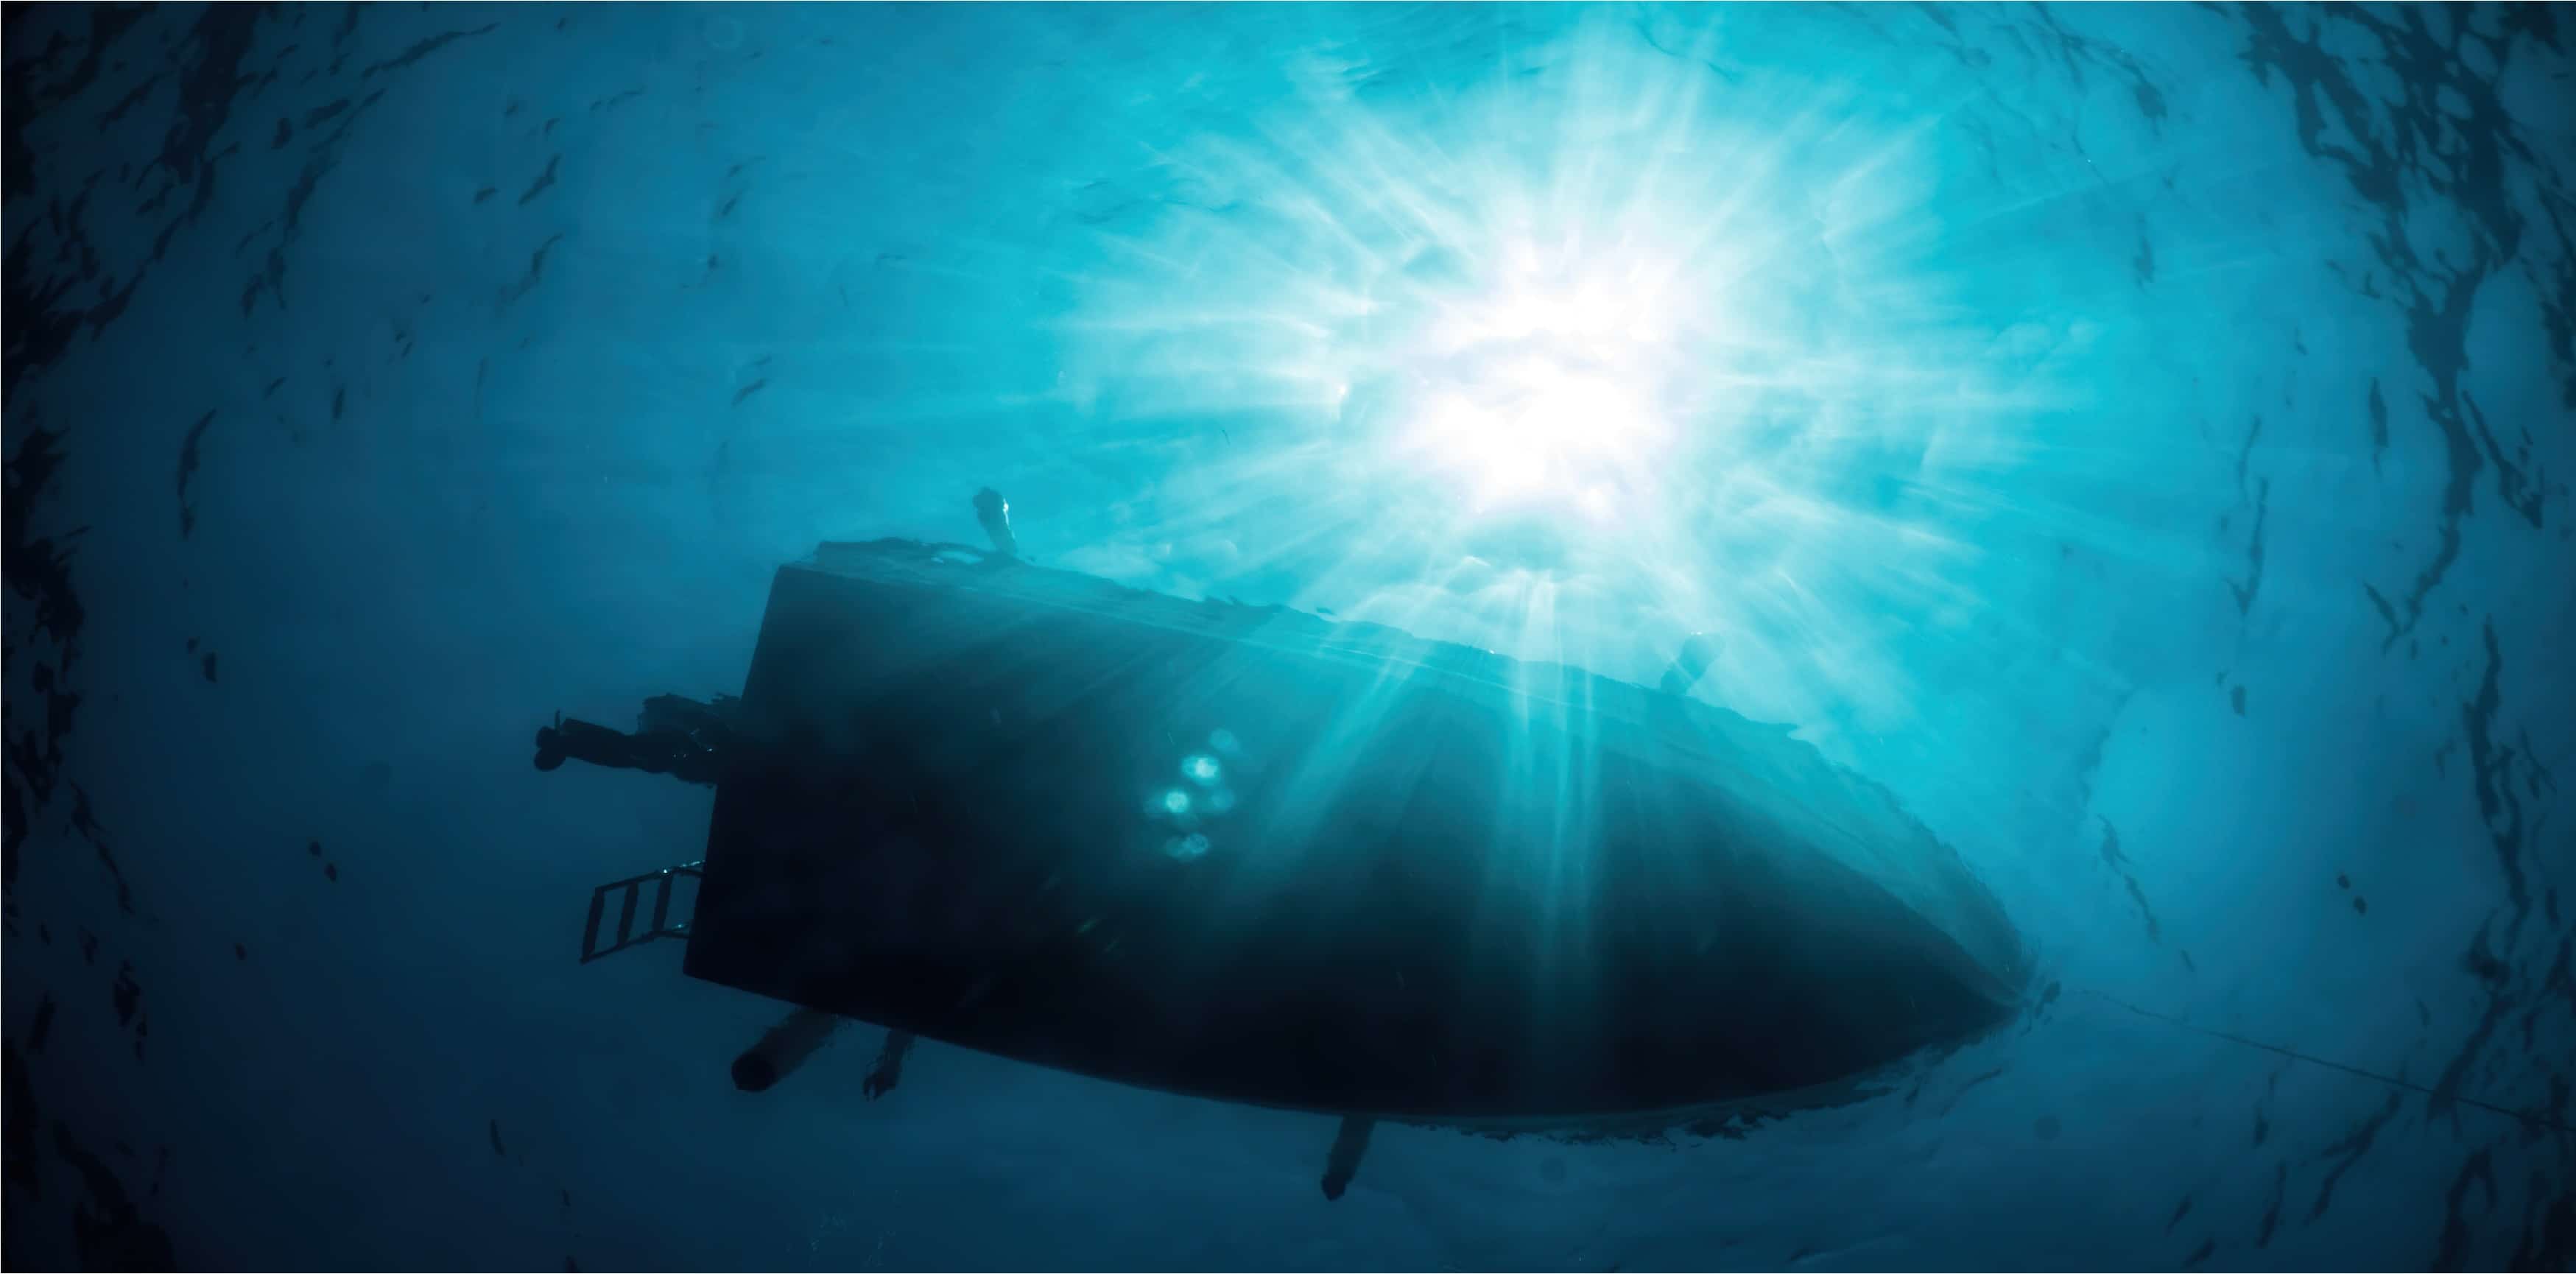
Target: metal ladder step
[(630, 893)]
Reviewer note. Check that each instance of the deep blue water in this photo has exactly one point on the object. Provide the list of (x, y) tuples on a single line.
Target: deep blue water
[(2138, 436)]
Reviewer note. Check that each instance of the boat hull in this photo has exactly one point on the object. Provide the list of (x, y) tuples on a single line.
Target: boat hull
[(1249, 854)]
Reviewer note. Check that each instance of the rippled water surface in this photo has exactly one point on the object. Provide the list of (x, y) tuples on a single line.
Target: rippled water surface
[(2136, 435)]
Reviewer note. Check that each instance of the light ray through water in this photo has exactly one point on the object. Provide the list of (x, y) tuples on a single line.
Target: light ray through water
[(1581, 363)]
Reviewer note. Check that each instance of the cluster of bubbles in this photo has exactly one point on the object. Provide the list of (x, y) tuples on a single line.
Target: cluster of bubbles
[(1201, 796)]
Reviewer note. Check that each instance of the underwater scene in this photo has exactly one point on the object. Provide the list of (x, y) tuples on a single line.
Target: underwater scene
[(1303, 636)]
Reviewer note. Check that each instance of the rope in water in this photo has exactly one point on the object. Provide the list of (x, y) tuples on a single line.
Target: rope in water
[(2530, 1116)]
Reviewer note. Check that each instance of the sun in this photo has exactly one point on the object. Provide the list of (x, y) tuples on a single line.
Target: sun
[(1567, 365), (1543, 393)]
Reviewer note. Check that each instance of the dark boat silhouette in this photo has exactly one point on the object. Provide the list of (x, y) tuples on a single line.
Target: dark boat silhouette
[(1251, 854)]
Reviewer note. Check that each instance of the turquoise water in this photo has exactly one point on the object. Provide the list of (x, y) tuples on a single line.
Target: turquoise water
[(2135, 435)]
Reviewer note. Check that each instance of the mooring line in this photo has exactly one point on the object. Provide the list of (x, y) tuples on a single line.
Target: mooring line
[(2532, 1115)]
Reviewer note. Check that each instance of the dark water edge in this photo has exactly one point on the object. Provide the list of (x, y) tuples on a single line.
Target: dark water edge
[(341, 346)]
